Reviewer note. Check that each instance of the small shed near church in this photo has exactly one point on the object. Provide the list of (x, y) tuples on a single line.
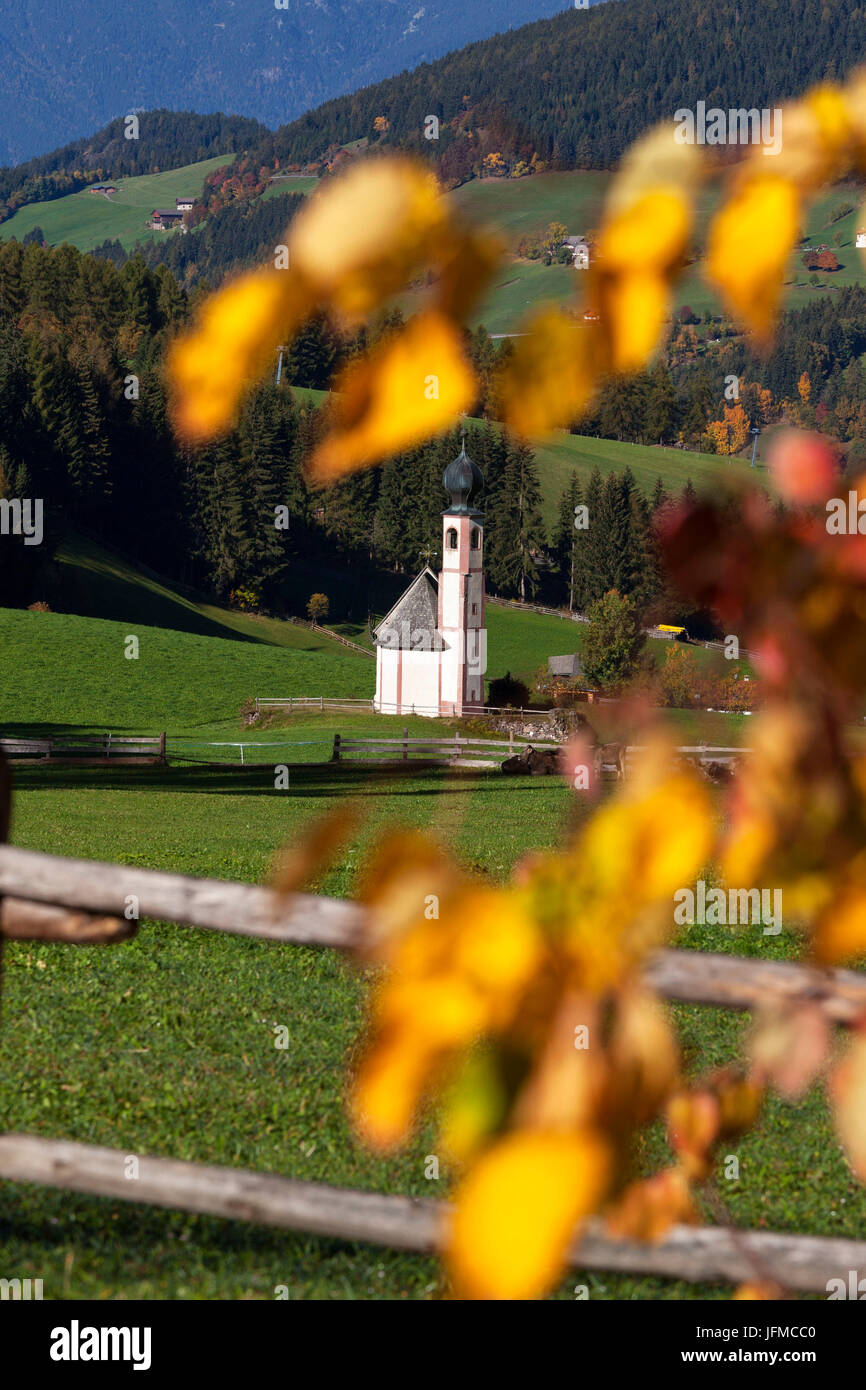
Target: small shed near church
[(564, 665)]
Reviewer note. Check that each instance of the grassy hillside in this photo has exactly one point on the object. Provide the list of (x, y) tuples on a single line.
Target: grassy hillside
[(198, 661), (563, 454), (94, 582), (514, 208), (511, 208), (71, 671), (85, 219)]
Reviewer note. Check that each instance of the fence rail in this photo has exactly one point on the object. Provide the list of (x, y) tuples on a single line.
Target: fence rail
[(805, 1263), (101, 890), (323, 702), (337, 637), (453, 752), (469, 752), (86, 748)]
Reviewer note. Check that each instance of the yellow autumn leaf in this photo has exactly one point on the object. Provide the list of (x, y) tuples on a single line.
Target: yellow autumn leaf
[(633, 310), (408, 875), (364, 233), (651, 234), (656, 834), (498, 947), (444, 1011), (639, 249), (230, 346), (817, 139), (750, 240), (387, 1089), (552, 374), (840, 932), (755, 1292), (656, 163), (405, 391), (848, 1094), (644, 1055), (518, 1209)]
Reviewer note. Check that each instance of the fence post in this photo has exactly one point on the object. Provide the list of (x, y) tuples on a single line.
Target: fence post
[(322, 704), (335, 756), (511, 741), (162, 747), (405, 745)]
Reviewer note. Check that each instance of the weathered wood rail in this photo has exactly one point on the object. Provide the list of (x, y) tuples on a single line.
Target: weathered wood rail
[(302, 703), (702, 1253), (88, 888), (86, 749), (484, 752), (432, 752)]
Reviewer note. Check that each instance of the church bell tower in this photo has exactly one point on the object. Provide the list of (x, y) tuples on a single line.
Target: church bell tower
[(461, 592)]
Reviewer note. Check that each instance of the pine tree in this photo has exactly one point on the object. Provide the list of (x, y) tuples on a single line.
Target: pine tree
[(263, 555), (519, 533), (565, 537), (12, 296), (662, 409), (589, 547)]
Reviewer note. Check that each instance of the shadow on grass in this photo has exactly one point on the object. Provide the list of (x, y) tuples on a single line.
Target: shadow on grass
[(257, 779)]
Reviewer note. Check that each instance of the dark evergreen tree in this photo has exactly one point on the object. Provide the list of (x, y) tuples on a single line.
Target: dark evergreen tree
[(565, 543)]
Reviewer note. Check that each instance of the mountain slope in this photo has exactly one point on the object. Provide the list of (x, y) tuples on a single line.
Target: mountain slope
[(578, 88), (62, 79)]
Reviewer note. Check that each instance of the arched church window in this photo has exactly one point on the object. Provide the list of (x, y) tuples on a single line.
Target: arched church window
[(475, 541), (452, 538)]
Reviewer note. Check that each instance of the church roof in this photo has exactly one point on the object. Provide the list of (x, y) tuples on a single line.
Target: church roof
[(413, 622), (461, 478)]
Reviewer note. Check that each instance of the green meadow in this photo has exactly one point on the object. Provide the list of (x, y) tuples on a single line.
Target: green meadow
[(166, 1045), (509, 208), (86, 219)]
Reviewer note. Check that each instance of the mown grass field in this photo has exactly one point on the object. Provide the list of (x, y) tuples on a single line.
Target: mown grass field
[(166, 1045), (85, 219)]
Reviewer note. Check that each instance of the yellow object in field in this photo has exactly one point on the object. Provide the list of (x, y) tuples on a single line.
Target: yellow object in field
[(668, 627)]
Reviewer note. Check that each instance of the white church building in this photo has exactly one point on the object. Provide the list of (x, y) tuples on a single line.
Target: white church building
[(431, 649)]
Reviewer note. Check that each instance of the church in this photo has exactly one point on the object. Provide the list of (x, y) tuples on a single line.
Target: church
[(431, 649)]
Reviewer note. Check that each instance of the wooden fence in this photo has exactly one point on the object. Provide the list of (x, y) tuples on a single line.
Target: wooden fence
[(323, 702), (48, 898), (86, 749), (430, 752), (489, 753)]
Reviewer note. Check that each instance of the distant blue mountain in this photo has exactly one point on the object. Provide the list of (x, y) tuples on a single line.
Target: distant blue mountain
[(69, 68)]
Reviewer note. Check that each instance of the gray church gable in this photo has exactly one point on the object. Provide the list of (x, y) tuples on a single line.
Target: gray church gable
[(412, 624)]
